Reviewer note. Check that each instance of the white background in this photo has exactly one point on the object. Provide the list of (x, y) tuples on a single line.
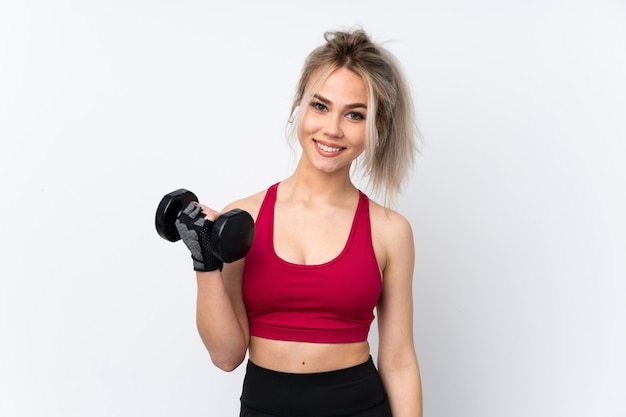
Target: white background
[(518, 201)]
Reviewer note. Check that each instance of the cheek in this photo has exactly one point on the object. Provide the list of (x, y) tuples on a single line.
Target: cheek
[(308, 121), (307, 126), (357, 136)]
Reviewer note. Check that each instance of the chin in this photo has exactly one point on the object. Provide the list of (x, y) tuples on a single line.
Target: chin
[(331, 169)]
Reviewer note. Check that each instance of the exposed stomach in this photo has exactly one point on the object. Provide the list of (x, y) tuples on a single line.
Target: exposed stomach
[(304, 357)]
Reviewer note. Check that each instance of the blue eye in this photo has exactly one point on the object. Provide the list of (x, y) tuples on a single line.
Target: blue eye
[(356, 115), (318, 106)]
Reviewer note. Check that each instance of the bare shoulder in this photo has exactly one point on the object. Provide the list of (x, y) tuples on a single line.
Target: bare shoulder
[(389, 224), (392, 235), (251, 203)]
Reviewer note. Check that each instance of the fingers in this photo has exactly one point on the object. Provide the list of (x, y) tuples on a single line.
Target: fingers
[(208, 212), (192, 210)]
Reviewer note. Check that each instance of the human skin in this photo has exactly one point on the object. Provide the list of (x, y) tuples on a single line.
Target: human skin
[(320, 198)]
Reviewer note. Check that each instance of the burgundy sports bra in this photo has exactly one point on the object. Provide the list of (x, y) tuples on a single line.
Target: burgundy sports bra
[(328, 303)]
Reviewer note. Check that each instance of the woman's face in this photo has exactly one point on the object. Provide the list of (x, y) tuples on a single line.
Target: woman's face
[(332, 131)]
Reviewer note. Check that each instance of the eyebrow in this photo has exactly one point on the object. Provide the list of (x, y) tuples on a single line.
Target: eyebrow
[(349, 106)]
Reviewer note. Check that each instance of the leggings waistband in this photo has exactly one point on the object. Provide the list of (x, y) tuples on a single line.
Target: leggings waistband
[(325, 394)]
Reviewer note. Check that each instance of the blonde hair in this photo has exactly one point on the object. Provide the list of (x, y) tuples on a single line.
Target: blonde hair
[(391, 132)]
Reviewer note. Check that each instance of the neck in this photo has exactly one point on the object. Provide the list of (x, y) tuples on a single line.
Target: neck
[(315, 185)]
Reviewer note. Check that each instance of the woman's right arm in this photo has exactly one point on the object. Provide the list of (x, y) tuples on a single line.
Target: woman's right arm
[(221, 315)]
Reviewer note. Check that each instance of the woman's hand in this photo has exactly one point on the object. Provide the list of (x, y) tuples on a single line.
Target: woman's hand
[(194, 224)]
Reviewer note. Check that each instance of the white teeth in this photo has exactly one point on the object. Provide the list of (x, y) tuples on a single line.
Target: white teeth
[(327, 148)]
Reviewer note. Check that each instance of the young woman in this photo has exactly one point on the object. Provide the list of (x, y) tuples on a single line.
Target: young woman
[(324, 256)]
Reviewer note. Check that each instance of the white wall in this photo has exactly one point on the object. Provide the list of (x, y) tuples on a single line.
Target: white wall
[(517, 204)]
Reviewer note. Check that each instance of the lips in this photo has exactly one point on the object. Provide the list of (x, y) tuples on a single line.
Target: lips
[(328, 148)]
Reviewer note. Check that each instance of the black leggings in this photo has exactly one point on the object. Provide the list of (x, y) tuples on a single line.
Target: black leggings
[(353, 392)]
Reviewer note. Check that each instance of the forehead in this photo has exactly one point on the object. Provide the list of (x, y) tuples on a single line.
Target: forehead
[(342, 84)]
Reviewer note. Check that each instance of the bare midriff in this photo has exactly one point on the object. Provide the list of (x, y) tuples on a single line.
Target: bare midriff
[(304, 357)]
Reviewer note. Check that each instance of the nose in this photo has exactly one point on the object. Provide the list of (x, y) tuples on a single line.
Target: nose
[(332, 128)]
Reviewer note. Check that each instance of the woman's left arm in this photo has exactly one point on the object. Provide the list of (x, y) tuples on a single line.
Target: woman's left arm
[(397, 360)]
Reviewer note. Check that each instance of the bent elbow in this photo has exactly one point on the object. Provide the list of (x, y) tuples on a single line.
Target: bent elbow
[(227, 364)]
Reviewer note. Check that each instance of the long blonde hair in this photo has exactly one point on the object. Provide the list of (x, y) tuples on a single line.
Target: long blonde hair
[(391, 138)]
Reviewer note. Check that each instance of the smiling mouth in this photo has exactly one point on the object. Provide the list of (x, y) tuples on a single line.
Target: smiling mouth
[(326, 148)]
